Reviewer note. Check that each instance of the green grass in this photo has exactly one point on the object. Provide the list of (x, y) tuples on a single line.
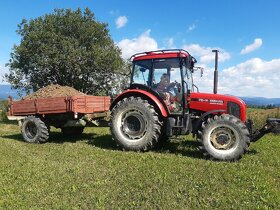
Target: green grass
[(89, 172), (3, 110)]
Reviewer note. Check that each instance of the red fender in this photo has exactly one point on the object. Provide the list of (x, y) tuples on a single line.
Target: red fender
[(132, 92)]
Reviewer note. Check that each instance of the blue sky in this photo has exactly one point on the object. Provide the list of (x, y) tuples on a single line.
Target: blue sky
[(246, 33)]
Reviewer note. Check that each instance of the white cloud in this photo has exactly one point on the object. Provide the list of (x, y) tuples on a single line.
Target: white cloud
[(140, 44), (205, 54), (254, 77), (251, 47), (121, 21), (191, 27)]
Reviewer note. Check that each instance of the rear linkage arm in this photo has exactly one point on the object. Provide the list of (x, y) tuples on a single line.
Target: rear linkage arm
[(272, 125)]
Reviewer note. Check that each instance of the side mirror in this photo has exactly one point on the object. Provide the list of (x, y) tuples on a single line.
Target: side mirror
[(201, 72), (199, 68)]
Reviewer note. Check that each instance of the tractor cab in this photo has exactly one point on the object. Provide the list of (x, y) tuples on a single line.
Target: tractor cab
[(161, 103), (168, 73)]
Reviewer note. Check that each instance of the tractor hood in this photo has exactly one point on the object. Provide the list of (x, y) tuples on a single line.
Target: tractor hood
[(206, 102)]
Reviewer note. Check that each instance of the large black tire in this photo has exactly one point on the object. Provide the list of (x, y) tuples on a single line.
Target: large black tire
[(135, 124), (72, 131), (223, 137), (34, 130)]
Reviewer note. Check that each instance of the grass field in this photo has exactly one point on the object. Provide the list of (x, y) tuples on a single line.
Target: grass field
[(259, 116), (89, 172)]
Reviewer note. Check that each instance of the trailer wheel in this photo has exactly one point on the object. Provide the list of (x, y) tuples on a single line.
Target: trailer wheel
[(135, 124), (34, 130), (223, 137), (75, 131)]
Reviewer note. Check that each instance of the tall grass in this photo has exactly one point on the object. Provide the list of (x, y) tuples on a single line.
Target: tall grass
[(3, 110), (259, 116)]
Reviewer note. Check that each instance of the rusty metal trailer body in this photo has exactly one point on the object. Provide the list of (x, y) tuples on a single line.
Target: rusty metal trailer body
[(71, 114)]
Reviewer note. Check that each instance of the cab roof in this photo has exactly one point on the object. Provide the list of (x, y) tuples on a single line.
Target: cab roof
[(160, 54)]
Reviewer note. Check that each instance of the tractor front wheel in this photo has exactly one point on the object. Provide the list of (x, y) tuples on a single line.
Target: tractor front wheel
[(223, 137), (135, 124), (34, 130)]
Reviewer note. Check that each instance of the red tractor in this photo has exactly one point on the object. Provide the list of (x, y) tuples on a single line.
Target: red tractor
[(161, 102)]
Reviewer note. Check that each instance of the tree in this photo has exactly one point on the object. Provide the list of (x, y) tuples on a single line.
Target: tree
[(66, 48)]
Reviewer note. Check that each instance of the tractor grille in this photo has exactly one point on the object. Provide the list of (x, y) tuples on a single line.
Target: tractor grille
[(233, 109)]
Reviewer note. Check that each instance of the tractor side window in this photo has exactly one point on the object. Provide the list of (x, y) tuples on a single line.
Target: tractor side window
[(141, 72)]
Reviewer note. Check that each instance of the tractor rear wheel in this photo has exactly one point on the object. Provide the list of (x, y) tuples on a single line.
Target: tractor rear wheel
[(223, 137), (135, 124), (34, 130)]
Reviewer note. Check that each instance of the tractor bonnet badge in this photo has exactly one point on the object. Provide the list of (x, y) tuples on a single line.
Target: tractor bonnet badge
[(211, 101)]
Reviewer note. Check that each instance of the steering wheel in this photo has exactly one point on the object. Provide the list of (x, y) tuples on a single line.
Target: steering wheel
[(175, 84)]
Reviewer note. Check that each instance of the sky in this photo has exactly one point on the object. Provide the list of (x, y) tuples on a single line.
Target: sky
[(246, 33)]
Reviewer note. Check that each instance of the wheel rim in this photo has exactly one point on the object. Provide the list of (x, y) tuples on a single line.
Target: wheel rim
[(223, 138), (133, 124), (31, 130)]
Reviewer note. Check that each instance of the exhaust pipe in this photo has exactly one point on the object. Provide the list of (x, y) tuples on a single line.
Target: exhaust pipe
[(215, 90)]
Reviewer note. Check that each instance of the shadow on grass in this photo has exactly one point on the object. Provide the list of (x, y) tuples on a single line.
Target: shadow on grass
[(17, 137), (54, 137), (60, 138), (178, 147), (103, 142), (188, 148), (9, 122), (252, 151)]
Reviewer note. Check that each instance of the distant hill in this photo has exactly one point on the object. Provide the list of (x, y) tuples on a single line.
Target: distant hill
[(261, 101)]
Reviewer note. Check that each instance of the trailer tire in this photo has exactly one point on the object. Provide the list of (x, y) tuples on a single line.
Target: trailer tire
[(135, 124), (34, 130), (75, 131), (223, 137)]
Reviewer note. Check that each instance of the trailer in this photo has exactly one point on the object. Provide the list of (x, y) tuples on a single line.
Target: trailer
[(70, 113)]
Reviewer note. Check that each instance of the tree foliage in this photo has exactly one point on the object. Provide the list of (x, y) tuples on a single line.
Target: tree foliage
[(67, 48)]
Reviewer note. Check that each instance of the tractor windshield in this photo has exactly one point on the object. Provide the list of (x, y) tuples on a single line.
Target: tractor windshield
[(164, 77), (169, 67), (153, 72)]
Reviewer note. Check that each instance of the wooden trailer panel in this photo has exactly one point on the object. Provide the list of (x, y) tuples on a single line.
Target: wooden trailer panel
[(90, 104), (84, 104), (39, 106), (52, 105), (23, 107)]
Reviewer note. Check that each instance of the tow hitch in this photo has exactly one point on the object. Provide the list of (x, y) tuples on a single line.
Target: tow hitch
[(272, 126)]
